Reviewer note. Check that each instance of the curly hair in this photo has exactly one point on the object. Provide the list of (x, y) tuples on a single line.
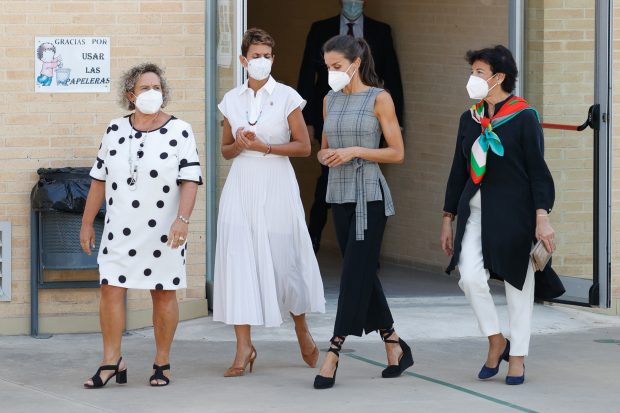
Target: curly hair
[(129, 79), (42, 47)]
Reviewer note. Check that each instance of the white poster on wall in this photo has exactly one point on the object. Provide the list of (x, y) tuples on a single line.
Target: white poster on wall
[(68, 64)]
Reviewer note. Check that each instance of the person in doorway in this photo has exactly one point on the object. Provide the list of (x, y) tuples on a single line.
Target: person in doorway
[(264, 263), (502, 192), (313, 86), (147, 170), (356, 112)]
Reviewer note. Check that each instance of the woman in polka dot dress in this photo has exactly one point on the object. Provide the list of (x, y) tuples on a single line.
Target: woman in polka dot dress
[(147, 171)]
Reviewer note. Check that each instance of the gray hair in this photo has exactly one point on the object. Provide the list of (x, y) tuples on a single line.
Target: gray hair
[(130, 78)]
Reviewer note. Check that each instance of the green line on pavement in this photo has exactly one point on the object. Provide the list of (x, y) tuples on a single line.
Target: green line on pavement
[(450, 385)]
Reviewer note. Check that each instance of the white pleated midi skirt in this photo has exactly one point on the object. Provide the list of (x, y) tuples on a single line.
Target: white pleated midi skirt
[(265, 266)]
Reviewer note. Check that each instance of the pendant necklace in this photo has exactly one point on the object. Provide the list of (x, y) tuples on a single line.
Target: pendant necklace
[(135, 162)]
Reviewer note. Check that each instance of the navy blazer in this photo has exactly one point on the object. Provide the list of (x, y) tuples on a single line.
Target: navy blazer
[(313, 86)]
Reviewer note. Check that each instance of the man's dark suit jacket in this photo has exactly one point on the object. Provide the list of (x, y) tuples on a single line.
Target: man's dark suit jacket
[(313, 85)]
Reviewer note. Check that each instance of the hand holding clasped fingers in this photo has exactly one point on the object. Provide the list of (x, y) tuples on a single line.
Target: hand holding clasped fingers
[(545, 232), (178, 234), (337, 157), (87, 238), (447, 238), (241, 140)]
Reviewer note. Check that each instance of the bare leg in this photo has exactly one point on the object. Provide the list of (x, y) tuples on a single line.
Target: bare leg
[(165, 321), (307, 346), (516, 366), (393, 350), (328, 368), (112, 321), (244, 347), (497, 344)]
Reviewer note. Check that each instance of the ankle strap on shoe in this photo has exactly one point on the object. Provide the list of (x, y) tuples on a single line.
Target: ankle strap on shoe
[(386, 334), (336, 345)]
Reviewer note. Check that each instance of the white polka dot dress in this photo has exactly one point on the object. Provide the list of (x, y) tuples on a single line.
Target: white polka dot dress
[(133, 251)]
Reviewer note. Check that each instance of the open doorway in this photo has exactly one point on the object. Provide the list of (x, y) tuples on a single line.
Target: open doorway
[(431, 39)]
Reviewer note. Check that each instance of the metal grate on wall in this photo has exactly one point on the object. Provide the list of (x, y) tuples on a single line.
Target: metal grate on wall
[(5, 261)]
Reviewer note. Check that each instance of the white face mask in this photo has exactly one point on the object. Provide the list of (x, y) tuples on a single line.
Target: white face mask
[(149, 102), (338, 80), (478, 88), (259, 68)]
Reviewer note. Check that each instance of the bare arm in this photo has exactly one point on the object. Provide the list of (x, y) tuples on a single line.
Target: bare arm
[(395, 151), (179, 229), (96, 196), (230, 147)]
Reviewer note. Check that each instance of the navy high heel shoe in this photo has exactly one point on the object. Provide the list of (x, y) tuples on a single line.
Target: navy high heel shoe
[(488, 372), (516, 380)]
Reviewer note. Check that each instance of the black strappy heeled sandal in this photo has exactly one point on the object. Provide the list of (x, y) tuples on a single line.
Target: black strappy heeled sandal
[(121, 376), (159, 375), (322, 382), (406, 358)]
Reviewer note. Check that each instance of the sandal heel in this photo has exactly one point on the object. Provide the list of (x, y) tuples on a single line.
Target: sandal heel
[(121, 377)]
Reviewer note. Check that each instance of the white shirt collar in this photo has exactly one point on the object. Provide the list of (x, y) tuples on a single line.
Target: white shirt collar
[(268, 87)]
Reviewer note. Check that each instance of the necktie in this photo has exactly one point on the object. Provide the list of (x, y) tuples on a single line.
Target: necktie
[(350, 30)]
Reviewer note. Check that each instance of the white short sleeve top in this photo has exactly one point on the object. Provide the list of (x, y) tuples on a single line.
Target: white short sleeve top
[(266, 113)]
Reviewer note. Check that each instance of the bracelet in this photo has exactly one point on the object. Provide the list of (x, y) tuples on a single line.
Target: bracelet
[(448, 215), (542, 215), (183, 219), (268, 149)]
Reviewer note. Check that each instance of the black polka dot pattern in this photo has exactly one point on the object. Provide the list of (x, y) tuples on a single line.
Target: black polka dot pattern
[(173, 143), (176, 281), (159, 287), (152, 223), (114, 186), (157, 253), (164, 238), (135, 204), (110, 201), (105, 250), (138, 135), (126, 231), (122, 279), (185, 134), (121, 141), (110, 236), (154, 173), (132, 253), (163, 155), (160, 204), (113, 152), (166, 189), (163, 131), (104, 281), (183, 162), (148, 272)]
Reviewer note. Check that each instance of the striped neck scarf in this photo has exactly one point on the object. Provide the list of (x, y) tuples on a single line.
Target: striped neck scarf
[(488, 138)]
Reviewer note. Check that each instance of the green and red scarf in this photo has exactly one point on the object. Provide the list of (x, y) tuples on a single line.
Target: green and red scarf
[(488, 138)]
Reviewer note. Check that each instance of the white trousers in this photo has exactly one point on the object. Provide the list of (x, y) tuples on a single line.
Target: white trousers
[(475, 285)]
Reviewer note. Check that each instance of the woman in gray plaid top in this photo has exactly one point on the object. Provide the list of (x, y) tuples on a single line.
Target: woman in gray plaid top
[(357, 111)]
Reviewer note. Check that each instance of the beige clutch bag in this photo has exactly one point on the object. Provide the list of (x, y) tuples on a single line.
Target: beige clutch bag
[(539, 256)]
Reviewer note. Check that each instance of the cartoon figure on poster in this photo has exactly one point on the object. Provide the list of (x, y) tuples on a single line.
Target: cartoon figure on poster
[(50, 61)]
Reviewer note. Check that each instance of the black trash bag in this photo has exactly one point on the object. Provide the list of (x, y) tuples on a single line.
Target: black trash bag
[(62, 189)]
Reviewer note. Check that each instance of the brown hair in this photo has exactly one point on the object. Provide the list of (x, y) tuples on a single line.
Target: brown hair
[(256, 36)]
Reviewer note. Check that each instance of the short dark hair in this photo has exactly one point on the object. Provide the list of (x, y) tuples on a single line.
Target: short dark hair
[(501, 61), (256, 36), (42, 48)]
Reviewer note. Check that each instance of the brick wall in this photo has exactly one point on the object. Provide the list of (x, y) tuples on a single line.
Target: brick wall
[(560, 83), (50, 130)]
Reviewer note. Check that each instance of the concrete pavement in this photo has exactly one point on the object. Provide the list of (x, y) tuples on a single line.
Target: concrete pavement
[(574, 363)]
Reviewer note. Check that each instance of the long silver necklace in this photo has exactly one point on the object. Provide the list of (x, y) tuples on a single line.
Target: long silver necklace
[(134, 162)]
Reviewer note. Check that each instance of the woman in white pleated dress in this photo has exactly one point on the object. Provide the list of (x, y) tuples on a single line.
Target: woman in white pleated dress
[(264, 261)]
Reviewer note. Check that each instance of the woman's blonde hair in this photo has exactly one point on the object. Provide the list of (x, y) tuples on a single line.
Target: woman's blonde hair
[(130, 78)]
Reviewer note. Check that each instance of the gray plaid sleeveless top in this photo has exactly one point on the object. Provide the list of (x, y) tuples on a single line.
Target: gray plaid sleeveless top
[(351, 121)]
